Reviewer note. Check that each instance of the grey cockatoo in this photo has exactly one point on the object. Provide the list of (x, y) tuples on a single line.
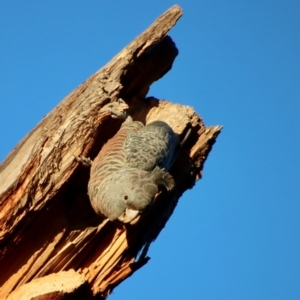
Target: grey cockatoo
[(130, 169)]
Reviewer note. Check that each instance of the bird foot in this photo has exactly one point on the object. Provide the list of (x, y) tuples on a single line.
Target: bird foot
[(117, 109), (86, 161)]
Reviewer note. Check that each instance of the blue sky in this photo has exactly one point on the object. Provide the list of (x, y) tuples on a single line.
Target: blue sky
[(236, 234)]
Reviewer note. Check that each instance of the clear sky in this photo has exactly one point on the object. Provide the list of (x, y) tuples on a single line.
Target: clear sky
[(236, 234)]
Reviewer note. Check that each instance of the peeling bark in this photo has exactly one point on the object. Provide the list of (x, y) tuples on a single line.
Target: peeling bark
[(52, 244)]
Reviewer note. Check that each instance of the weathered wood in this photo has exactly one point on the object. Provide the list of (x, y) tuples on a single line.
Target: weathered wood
[(60, 286), (46, 221)]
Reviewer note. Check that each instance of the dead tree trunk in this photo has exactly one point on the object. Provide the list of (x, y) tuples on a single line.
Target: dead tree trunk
[(53, 245)]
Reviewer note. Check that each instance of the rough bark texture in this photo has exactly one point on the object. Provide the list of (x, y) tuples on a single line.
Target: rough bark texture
[(52, 244)]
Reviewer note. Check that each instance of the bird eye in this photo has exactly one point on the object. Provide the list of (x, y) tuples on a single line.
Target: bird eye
[(125, 197)]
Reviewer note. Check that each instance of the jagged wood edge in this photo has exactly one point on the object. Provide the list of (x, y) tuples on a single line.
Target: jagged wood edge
[(34, 154), (102, 284)]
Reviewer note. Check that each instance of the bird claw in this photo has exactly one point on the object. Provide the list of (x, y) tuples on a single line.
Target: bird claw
[(86, 161), (117, 114), (185, 137), (120, 100), (117, 109)]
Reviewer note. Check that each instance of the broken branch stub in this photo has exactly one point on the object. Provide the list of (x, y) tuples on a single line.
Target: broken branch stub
[(46, 220)]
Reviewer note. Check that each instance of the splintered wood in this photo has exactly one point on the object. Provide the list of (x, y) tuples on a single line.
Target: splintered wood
[(53, 245)]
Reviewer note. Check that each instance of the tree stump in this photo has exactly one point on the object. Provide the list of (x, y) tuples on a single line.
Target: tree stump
[(53, 245)]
